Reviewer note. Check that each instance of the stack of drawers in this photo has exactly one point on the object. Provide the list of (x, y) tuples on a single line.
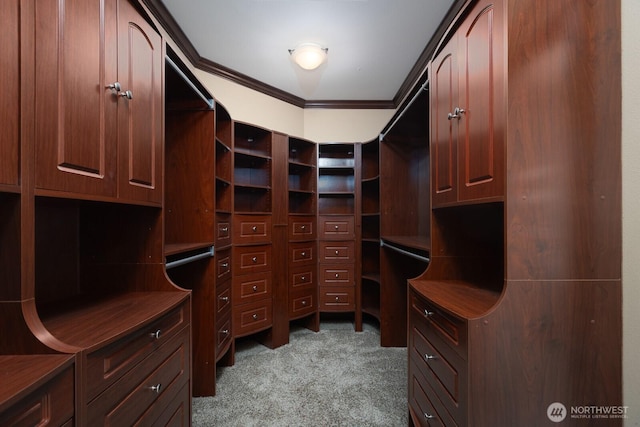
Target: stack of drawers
[(302, 266), (337, 263), (223, 285), (251, 290), (437, 365)]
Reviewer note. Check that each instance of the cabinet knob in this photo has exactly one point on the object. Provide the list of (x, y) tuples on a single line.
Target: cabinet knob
[(254, 228), (225, 299), (114, 86), (429, 357), (428, 416), (336, 227), (225, 332), (337, 252), (337, 298), (126, 94), (457, 113), (225, 264), (303, 254), (303, 278), (304, 302), (428, 313), (224, 229), (303, 227), (156, 334), (255, 288), (337, 275), (254, 259), (255, 316), (156, 388)]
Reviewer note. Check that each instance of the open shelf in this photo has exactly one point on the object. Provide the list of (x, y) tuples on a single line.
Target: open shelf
[(252, 140)]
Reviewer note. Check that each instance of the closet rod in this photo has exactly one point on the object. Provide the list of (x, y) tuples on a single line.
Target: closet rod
[(177, 69), (403, 251), (182, 261), (415, 96)]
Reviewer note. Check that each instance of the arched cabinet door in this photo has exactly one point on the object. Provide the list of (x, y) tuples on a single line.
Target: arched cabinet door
[(140, 132)]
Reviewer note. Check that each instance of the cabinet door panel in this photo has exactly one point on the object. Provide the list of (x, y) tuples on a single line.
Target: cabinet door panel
[(480, 143), (76, 112), (10, 100), (444, 132), (139, 118)]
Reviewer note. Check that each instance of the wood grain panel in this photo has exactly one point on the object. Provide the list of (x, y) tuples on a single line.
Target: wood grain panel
[(10, 100)]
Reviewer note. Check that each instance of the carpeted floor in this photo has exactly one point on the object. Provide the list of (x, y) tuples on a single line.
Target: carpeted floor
[(335, 377)]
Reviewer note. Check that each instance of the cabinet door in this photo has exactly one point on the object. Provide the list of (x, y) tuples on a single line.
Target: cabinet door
[(10, 100), (480, 143), (444, 128), (140, 137), (76, 112)]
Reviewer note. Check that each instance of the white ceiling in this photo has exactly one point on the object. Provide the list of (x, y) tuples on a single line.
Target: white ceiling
[(373, 44)]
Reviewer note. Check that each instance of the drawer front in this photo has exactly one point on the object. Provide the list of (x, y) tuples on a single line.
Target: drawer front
[(337, 275), (249, 229), (107, 365), (223, 333), (252, 317), (337, 251), (251, 259), (223, 265), (426, 409), (223, 297), (337, 227), (302, 276), (251, 287), (223, 230), (178, 412), (302, 228), (146, 392), (51, 404), (433, 322), (302, 253), (335, 298), (302, 302)]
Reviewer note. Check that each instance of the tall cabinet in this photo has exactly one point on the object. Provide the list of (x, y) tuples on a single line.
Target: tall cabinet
[(526, 220), (105, 334)]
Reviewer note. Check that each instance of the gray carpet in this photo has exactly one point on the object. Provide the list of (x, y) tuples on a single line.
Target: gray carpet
[(335, 377)]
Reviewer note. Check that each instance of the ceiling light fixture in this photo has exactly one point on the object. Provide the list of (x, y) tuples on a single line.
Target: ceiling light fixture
[(309, 55)]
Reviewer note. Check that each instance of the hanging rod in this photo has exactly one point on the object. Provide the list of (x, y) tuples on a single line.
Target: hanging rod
[(415, 96), (403, 251), (176, 68), (209, 253)]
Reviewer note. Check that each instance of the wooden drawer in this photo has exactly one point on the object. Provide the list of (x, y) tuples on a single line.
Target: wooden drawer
[(337, 298), (223, 334), (302, 302), (223, 231), (426, 409), (302, 253), (223, 264), (303, 276), (336, 228), (141, 396), (178, 412), (251, 229), (252, 317), (251, 259), (223, 297), (50, 404), (434, 324), (251, 287), (107, 365), (337, 252), (337, 275), (302, 228)]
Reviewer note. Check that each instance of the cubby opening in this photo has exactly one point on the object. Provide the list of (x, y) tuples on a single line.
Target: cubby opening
[(10, 244), (252, 140)]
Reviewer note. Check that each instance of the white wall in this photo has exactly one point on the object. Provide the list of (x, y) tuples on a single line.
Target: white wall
[(631, 208)]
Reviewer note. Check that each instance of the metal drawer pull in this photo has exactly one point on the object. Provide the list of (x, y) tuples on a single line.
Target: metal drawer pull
[(336, 227), (156, 388), (225, 332), (303, 254), (156, 334), (304, 302), (254, 228), (337, 275), (126, 94), (303, 278), (428, 416), (303, 227), (428, 313), (114, 86), (254, 259), (255, 316), (428, 357), (457, 113), (225, 264), (337, 298), (225, 299), (255, 288), (224, 229)]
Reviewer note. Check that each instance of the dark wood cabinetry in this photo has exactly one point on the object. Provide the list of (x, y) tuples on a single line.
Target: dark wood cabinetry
[(338, 225), (98, 142), (468, 112), (513, 290)]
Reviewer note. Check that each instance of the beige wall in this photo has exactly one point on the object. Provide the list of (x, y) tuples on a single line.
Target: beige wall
[(631, 208), (363, 125)]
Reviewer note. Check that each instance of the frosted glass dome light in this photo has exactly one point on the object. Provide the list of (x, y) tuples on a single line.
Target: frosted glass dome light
[(309, 55)]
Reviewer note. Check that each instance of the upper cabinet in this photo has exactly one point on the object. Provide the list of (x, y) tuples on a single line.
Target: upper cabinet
[(98, 83), (10, 100), (468, 113)]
